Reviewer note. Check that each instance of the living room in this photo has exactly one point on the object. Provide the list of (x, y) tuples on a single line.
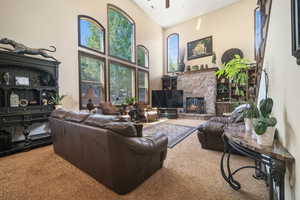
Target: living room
[(149, 99)]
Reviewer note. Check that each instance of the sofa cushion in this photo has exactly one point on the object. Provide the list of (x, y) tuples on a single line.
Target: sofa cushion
[(108, 109), (99, 120), (76, 116), (59, 113), (123, 128)]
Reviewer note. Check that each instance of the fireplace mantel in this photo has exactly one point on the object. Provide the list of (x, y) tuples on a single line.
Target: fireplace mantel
[(212, 69)]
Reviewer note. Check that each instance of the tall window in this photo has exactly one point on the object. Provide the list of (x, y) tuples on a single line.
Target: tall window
[(121, 82), (142, 56), (91, 34), (173, 52), (91, 84), (121, 36), (143, 86)]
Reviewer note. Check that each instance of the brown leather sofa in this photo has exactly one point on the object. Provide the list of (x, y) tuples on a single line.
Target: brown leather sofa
[(107, 148), (210, 133)]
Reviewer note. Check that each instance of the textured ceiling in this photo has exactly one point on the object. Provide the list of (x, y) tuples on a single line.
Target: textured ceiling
[(180, 10)]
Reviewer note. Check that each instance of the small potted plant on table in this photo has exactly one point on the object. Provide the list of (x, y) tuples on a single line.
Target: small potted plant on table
[(56, 100), (264, 126)]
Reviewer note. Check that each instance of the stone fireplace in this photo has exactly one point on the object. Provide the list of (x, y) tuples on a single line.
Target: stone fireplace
[(199, 84), (195, 105)]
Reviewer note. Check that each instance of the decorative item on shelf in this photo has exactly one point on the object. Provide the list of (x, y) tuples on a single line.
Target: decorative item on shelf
[(44, 102), (231, 54), (14, 100), (5, 78), (22, 49), (56, 100), (181, 65), (188, 68), (214, 58), (21, 81), (90, 106), (264, 126), (206, 66), (202, 67), (200, 48), (33, 102), (23, 102)]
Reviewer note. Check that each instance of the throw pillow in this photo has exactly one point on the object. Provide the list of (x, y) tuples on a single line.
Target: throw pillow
[(123, 128)]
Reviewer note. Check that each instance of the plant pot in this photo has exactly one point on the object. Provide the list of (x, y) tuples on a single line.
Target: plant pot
[(267, 138), (58, 107)]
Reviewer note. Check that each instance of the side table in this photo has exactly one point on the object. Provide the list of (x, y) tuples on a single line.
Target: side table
[(270, 162)]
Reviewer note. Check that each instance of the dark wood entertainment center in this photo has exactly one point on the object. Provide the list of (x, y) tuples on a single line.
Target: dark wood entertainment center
[(26, 87)]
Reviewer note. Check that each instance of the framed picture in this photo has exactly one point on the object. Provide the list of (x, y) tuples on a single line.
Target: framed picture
[(200, 48), (295, 5), (22, 81)]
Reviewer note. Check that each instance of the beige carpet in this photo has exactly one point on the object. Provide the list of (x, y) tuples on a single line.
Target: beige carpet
[(189, 173)]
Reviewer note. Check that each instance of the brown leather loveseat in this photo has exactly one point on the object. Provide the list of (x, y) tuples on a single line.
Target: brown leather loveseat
[(107, 148)]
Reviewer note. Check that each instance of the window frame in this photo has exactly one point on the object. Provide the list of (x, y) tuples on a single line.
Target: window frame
[(134, 69), (168, 51), (79, 34), (117, 9), (148, 77), (147, 56), (83, 53)]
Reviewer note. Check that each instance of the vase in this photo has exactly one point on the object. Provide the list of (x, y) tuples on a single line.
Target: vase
[(249, 127), (267, 138), (58, 107)]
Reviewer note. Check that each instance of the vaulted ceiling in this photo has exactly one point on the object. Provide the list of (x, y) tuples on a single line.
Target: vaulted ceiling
[(179, 10)]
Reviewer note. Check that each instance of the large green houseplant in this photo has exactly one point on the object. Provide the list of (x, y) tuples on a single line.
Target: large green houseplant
[(236, 71)]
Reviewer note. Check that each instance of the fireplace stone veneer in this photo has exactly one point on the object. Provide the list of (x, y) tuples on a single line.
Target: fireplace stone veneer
[(199, 84)]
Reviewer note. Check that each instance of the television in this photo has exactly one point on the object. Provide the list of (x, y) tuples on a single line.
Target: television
[(167, 98)]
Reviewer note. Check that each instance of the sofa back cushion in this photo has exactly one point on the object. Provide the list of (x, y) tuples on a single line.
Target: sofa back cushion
[(99, 120), (126, 129), (76, 116), (59, 113)]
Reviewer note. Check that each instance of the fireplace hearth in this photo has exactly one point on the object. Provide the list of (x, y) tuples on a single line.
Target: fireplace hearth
[(195, 105)]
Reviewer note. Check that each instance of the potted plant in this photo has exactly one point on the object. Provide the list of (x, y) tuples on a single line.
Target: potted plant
[(130, 101), (56, 100), (250, 114), (236, 71), (264, 126)]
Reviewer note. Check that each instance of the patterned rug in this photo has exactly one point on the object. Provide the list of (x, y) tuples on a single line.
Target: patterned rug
[(175, 133)]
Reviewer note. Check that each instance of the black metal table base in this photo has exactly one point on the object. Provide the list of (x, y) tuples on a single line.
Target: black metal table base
[(266, 168)]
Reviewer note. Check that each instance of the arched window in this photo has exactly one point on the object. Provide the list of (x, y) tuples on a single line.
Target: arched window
[(91, 34), (142, 56), (121, 34), (173, 52)]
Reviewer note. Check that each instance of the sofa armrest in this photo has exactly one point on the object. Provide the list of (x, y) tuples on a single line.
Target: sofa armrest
[(148, 144), (211, 126)]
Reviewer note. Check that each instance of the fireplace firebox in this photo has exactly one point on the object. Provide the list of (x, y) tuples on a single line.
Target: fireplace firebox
[(195, 105)]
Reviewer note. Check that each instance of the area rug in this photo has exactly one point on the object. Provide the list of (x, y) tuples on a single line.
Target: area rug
[(175, 133)]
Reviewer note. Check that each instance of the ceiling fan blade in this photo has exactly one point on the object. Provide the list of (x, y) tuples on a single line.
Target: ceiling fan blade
[(167, 3)]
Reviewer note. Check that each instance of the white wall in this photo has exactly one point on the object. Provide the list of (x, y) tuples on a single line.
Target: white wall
[(231, 27), (40, 23), (284, 87)]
